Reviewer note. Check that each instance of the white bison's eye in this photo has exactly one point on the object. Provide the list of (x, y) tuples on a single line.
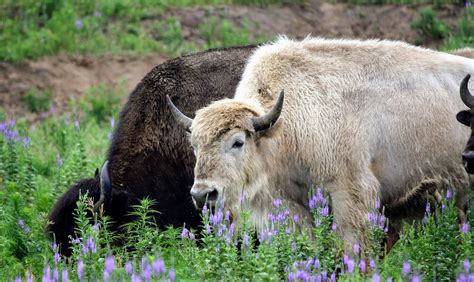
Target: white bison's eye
[(237, 144)]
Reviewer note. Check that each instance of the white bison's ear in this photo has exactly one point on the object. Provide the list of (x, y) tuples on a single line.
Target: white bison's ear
[(272, 130), (464, 117)]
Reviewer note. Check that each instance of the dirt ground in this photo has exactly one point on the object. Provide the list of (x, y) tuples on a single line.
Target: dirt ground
[(69, 76)]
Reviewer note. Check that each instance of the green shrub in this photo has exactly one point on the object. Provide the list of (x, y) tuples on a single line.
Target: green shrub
[(37, 101), (429, 26)]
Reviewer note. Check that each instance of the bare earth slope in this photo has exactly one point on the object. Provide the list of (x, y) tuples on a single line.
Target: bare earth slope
[(70, 75)]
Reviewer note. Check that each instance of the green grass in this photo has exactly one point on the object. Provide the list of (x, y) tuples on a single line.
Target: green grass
[(59, 151)]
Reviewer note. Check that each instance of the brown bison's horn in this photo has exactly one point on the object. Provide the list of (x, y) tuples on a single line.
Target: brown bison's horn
[(466, 96), (269, 119), (181, 118), (105, 187)]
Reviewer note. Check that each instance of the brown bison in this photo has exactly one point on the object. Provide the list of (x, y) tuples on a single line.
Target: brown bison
[(366, 120), (149, 156), (466, 117)]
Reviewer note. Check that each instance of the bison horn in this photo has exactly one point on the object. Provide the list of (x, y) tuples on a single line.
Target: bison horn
[(269, 119), (466, 96), (105, 187), (181, 118)]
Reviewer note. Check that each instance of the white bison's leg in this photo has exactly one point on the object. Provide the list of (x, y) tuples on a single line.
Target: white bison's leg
[(352, 198)]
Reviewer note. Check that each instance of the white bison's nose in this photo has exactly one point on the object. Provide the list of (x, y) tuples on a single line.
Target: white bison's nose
[(201, 192)]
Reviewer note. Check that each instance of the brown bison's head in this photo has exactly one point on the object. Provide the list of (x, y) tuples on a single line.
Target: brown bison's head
[(467, 118), (227, 137)]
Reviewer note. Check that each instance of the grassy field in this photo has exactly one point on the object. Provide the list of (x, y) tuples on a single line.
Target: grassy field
[(39, 161)]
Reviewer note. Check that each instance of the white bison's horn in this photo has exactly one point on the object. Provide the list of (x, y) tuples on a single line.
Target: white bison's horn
[(180, 118), (105, 187), (269, 119), (466, 96)]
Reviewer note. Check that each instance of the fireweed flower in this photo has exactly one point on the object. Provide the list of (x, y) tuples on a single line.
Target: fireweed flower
[(406, 268)]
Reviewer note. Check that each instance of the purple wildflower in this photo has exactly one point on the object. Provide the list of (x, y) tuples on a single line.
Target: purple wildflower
[(345, 259), (23, 226), (77, 124), (296, 218), (57, 257), (59, 161), (3, 126), (465, 228), (78, 24), (406, 268), (350, 266), (227, 215), (26, 141), (135, 278), (449, 194), (324, 212), (277, 202), (356, 248), (171, 274), (80, 269), (204, 209), (55, 274), (333, 277), (372, 263), (158, 266), (333, 226), (208, 229), (246, 239), (191, 236), (184, 233), (47, 274), (376, 277), (468, 4), (97, 14), (467, 265), (146, 274), (293, 247), (112, 123), (18, 279), (106, 275), (110, 264), (317, 264), (416, 278), (128, 267), (362, 266), (291, 277), (11, 123), (231, 229)]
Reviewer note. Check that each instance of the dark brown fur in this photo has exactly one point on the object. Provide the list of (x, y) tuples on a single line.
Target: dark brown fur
[(149, 155)]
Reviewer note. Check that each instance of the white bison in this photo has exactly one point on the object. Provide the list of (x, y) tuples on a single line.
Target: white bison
[(363, 119)]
